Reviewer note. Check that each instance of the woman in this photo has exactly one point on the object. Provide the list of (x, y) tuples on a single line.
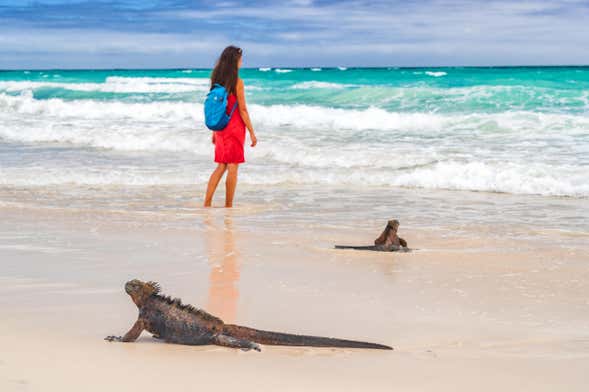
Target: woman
[(229, 142)]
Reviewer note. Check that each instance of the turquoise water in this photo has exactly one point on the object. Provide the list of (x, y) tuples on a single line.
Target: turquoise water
[(452, 90), (520, 130)]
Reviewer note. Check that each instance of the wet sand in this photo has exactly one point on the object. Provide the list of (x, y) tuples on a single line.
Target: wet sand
[(472, 309)]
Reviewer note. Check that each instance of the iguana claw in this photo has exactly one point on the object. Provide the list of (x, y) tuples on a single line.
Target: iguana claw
[(113, 338), (254, 347)]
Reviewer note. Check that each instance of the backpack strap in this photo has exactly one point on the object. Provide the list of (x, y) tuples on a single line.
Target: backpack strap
[(214, 86), (233, 109)]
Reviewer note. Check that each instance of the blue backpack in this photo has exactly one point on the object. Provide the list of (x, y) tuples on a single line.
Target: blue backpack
[(215, 107)]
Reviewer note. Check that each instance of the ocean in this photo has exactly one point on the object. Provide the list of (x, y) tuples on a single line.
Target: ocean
[(515, 136)]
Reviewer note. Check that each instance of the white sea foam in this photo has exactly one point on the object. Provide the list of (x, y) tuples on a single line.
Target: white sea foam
[(156, 80), (117, 85), (512, 178), (304, 117), (321, 119), (507, 177), (312, 84), (436, 74), (43, 176), (152, 84), (469, 176), (315, 69), (56, 108), (342, 68), (155, 126), (280, 70), (264, 69)]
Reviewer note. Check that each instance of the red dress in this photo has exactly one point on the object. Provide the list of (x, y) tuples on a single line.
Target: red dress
[(229, 142)]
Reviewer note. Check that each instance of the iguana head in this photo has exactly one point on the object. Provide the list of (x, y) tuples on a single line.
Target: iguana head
[(140, 291), (390, 229), (393, 224)]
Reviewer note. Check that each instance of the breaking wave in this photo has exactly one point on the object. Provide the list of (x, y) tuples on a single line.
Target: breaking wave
[(313, 84), (436, 74), (309, 144), (303, 117), (116, 84), (469, 176)]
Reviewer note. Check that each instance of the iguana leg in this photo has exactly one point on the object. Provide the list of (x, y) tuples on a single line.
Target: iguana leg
[(229, 341), (130, 336)]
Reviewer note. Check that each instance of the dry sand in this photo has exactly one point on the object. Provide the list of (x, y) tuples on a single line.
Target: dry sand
[(464, 312)]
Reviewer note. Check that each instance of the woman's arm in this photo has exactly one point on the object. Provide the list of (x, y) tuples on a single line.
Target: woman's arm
[(240, 91)]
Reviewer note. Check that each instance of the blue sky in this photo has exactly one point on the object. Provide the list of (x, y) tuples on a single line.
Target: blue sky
[(182, 34)]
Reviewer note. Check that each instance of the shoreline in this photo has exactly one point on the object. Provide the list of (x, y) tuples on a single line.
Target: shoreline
[(416, 208)]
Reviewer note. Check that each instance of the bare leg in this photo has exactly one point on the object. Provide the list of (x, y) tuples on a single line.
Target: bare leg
[(213, 182), (230, 184), (130, 336), (229, 341)]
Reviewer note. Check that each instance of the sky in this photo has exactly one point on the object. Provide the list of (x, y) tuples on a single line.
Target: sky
[(191, 34)]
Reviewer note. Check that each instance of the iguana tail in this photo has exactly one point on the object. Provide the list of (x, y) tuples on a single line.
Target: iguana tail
[(366, 247), (378, 248), (286, 339)]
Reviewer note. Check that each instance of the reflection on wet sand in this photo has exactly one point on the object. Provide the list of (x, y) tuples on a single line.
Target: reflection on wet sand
[(224, 261)]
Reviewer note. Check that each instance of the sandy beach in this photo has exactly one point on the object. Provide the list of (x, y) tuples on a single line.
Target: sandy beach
[(468, 122), (485, 307)]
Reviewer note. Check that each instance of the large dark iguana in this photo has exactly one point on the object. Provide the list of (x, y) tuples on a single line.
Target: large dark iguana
[(388, 241), (170, 320)]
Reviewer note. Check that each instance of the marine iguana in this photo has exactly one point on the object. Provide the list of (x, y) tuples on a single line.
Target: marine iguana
[(174, 322), (388, 241)]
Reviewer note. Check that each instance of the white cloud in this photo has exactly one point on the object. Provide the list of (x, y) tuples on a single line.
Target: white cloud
[(348, 33), (434, 20), (97, 41)]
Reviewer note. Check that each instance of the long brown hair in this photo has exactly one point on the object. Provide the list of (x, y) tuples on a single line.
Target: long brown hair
[(225, 71)]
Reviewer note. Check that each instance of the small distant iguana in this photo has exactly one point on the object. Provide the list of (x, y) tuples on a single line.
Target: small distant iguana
[(170, 320), (388, 241)]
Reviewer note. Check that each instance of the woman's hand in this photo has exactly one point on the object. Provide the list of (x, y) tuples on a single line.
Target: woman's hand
[(254, 139)]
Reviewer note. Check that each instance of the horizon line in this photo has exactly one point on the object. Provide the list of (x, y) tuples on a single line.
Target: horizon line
[(304, 67)]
